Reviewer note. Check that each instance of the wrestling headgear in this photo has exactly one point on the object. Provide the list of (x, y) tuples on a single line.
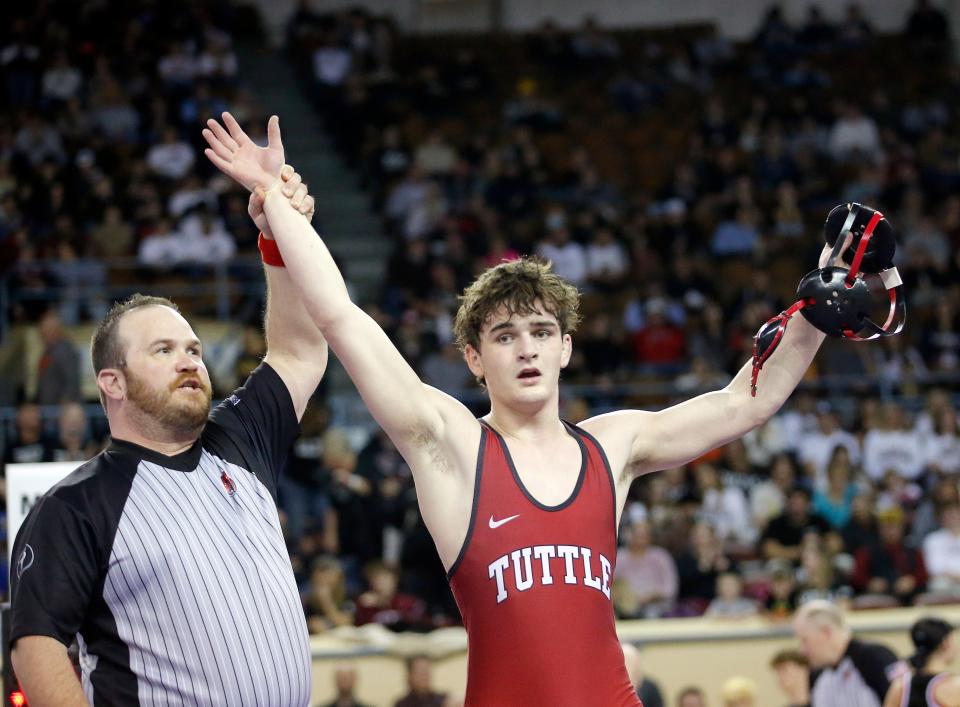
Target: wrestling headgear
[(840, 300)]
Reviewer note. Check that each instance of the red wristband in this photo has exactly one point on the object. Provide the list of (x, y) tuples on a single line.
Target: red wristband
[(269, 251)]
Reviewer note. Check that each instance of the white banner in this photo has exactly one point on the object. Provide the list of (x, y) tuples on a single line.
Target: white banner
[(25, 484)]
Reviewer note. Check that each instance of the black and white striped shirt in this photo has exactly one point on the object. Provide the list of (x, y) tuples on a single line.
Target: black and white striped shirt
[(860, 679), (172, 572)]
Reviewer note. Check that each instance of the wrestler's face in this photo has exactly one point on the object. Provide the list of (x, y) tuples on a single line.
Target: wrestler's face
[(166, 380), (521, 356)]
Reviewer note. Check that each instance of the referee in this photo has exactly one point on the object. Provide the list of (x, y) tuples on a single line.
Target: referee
[(163, 555), (846, 672)]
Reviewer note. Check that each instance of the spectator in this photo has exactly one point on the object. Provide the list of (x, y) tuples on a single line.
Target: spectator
[(383, 604), (793, 676), (61, 81), (647, 690), (420, 682), (854, 29), (893, 446), (816, 34), (204, 240), (178, 66), (739, 692), (942, 448), (646, 584), (847, 671), (39, 142), (699, 566), (435, 156), (926, 518), (835, 502), (691, 697), (591, 43), (659, 345), (941, 552), (819, 577), (927, 23), (74, 442), (816, 447), (332, 64), (407, 195), (889, 566), (568, 257), (160, 247), (730, 602), (218, 61), (783, 536), (607, 263), (737, 236), (171, 158), (113, 236), (861, 528), (854, 133), (326, 602), (345, 681), (782, 600), (190, 194), (768, 498), (444, 370), (724, 506), (58, 371), (28, 444)]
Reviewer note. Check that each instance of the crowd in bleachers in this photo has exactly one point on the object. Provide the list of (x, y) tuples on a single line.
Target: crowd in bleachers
[(101, 151), (678, 179)]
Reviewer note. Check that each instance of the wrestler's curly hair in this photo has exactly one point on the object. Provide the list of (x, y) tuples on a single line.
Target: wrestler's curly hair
[(520, 285)]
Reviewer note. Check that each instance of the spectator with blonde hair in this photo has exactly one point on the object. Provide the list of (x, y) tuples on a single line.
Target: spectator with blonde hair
[(739, 692)]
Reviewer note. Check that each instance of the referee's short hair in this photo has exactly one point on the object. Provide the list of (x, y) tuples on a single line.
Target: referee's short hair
[(106, 348), (822, 612)]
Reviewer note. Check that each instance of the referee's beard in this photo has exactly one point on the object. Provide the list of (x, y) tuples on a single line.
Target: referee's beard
[(181, 415)]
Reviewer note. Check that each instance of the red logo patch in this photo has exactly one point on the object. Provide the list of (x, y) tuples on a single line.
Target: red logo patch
[(227, 483)]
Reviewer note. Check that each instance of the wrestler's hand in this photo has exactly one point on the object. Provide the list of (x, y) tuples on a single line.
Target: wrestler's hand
[(827, 249), (239, 157), (293, 188)]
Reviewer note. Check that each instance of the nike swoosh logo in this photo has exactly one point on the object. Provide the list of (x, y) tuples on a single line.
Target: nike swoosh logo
[(497, 523)]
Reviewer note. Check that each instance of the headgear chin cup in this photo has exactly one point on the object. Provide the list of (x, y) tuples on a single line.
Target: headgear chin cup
[(840, 301)]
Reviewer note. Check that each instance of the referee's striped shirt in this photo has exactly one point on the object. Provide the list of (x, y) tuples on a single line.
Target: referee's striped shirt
[(172, 572), (861, 678)]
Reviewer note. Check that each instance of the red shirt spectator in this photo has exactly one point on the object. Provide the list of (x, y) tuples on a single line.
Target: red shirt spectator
[(382, 603)]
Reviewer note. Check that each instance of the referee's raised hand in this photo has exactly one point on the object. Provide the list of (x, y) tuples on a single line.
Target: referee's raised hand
[(239, 157)]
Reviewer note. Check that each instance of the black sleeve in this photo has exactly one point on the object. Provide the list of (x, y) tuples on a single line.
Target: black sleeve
[(54, 572), (877, 664), (256, 426)]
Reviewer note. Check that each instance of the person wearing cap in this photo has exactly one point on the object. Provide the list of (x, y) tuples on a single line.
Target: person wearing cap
[(930, 684), (846, 672)]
